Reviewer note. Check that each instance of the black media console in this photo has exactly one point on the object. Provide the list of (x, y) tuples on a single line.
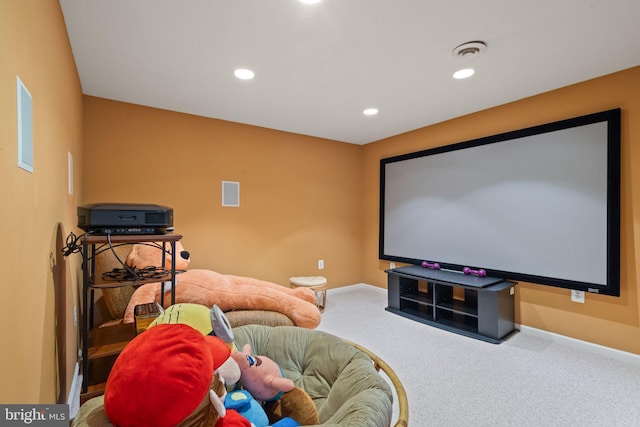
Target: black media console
[(478, 307)]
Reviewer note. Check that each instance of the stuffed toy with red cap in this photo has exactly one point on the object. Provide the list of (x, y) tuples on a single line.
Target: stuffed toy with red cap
[(213, 322), (166, 377)]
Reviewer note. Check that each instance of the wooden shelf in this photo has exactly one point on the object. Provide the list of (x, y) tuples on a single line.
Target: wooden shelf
[(102, 345), (107, 284), (92, 239), (109, 340), (99, 370)]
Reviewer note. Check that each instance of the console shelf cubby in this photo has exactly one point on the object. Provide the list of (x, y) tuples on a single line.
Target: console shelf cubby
[(478, 307)]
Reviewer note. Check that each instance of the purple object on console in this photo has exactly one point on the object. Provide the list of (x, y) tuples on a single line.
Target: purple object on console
[(480, 272), (434, 266)]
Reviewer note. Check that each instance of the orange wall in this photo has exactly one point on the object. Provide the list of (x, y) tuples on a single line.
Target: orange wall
[(609, 321), (304, 199), (34, 45), (300, 197)]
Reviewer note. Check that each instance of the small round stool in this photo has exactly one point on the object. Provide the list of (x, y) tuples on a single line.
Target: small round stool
[(317, 284)]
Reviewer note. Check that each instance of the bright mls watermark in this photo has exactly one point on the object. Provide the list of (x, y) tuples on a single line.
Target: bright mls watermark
[(36, 415)]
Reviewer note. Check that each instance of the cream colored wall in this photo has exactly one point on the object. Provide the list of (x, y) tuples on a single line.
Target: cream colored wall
[(300, 197), (604, 320), (34, 45)]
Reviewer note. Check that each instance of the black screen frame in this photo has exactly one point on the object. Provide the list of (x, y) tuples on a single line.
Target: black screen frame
[(613, 120)]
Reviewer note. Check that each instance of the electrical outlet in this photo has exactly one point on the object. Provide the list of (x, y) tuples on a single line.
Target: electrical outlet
[(577, 296), (320, 264), (392, 265)]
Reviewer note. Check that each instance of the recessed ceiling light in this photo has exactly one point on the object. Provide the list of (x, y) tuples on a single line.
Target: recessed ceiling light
[(244, 74), (370, 111), (464, 73), (310, 1)]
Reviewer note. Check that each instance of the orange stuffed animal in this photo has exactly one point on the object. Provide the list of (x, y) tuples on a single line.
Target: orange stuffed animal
[(229, 292)]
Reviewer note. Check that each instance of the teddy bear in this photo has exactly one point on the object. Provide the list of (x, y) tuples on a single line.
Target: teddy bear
[(150, 255), (229, 292)]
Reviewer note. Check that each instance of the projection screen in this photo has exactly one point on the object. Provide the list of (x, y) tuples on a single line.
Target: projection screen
[(540, 204)]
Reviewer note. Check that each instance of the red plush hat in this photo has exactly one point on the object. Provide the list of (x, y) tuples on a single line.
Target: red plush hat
[(162, 375)]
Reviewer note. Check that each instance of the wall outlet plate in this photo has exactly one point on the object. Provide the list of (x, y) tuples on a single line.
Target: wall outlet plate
[(577, 296)]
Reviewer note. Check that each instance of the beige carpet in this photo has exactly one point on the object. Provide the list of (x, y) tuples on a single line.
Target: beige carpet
[(452, 380)]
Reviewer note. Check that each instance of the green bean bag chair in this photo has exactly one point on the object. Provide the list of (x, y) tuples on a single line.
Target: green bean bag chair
[(341, 381)]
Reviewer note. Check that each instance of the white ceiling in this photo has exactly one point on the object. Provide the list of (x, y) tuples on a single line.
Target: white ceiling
[(318, 66)]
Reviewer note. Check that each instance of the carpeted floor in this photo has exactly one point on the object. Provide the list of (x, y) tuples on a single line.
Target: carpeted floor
[(452, 380)]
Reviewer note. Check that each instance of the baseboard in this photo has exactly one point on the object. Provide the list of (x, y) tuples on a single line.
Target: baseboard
[(355, 286), (74, 393), (623, 356)]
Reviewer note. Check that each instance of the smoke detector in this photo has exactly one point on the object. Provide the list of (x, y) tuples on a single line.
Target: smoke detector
[(469, 49)]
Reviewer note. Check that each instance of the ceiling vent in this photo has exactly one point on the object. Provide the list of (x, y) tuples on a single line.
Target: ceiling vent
[(469, 49)]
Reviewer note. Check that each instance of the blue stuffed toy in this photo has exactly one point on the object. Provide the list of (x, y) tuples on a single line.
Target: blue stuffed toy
[(248, 407)]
